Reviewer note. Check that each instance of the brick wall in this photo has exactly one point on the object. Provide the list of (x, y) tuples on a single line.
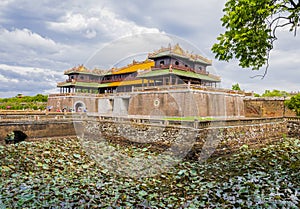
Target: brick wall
[(266, 107), (68, 102), (187, 103), (38, 129)]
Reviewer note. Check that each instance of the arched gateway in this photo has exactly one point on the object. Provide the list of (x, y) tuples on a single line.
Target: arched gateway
[(79, 106)]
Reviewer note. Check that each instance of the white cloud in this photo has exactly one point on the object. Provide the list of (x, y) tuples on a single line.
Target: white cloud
[(4, 3), (6, 80), (71, 22), (90, 33), (27, 80), (24, 38), (98, 21), (29, 70), (26, 48)]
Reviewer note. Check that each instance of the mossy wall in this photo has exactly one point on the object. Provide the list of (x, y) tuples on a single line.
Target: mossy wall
[(38, 129), (221, 137)]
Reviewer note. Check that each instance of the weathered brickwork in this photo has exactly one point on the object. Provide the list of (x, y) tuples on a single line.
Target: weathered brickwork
[(208, 139), (177, 103), (266, 107), (173, 103), (294, 128), (194, 138), (187, 103), (72, 103), (38, 129)]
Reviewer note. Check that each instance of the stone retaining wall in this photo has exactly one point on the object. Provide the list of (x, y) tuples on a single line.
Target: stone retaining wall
[(38, 129), (199, 138), (294, 128), (222, 139), (266, 107)]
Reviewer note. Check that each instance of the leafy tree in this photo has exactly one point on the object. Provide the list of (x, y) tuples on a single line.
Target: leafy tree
[(251, 27), (294, 104), (236, 87), (25, 102), (274, 93), (40, 98)]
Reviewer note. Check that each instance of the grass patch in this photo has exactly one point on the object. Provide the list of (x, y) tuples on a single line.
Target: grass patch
[(189, 118)]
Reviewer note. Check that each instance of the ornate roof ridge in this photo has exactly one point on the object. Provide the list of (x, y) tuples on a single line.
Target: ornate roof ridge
[(82, 68), (176, 49)]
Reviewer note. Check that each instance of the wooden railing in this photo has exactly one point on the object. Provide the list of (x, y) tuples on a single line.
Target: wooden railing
[(128, 78), (180, 67)]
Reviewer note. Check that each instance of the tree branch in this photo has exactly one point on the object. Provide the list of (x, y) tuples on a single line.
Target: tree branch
[(266, 69), (280, 26), (277, 19), (293, 3)]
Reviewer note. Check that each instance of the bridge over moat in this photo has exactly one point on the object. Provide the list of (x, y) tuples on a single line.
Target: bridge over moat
[(36, 124)]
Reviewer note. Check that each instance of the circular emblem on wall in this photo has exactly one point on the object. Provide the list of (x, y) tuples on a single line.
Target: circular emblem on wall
[(156, 102)]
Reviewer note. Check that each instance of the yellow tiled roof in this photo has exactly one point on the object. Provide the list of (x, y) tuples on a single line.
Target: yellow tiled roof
[(133, 67)]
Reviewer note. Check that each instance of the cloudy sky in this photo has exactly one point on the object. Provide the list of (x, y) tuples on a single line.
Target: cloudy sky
[(40, 39)]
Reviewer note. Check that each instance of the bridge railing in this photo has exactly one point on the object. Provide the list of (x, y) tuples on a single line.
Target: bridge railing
[(295, 118), (34, 115)]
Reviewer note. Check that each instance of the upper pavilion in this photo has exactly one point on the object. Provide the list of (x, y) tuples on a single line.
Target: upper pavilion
[(173, 66), (166, 66)]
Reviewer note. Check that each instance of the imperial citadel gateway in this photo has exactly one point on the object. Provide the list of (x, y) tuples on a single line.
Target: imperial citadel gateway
[(171, 82)]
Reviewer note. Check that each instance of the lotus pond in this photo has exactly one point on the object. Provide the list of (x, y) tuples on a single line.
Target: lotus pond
[(57, 173)]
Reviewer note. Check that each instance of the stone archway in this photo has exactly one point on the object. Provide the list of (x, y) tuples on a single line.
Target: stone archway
[(15, 137), (79, 106)]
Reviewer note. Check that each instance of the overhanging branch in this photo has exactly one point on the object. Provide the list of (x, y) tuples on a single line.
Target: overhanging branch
[(293, 3)]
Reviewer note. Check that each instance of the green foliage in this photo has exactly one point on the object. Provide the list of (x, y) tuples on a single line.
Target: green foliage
[(251, 29), (24, 102), (236, 87), (274, 93), (189, 118), (294, 104), (59, 174)]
